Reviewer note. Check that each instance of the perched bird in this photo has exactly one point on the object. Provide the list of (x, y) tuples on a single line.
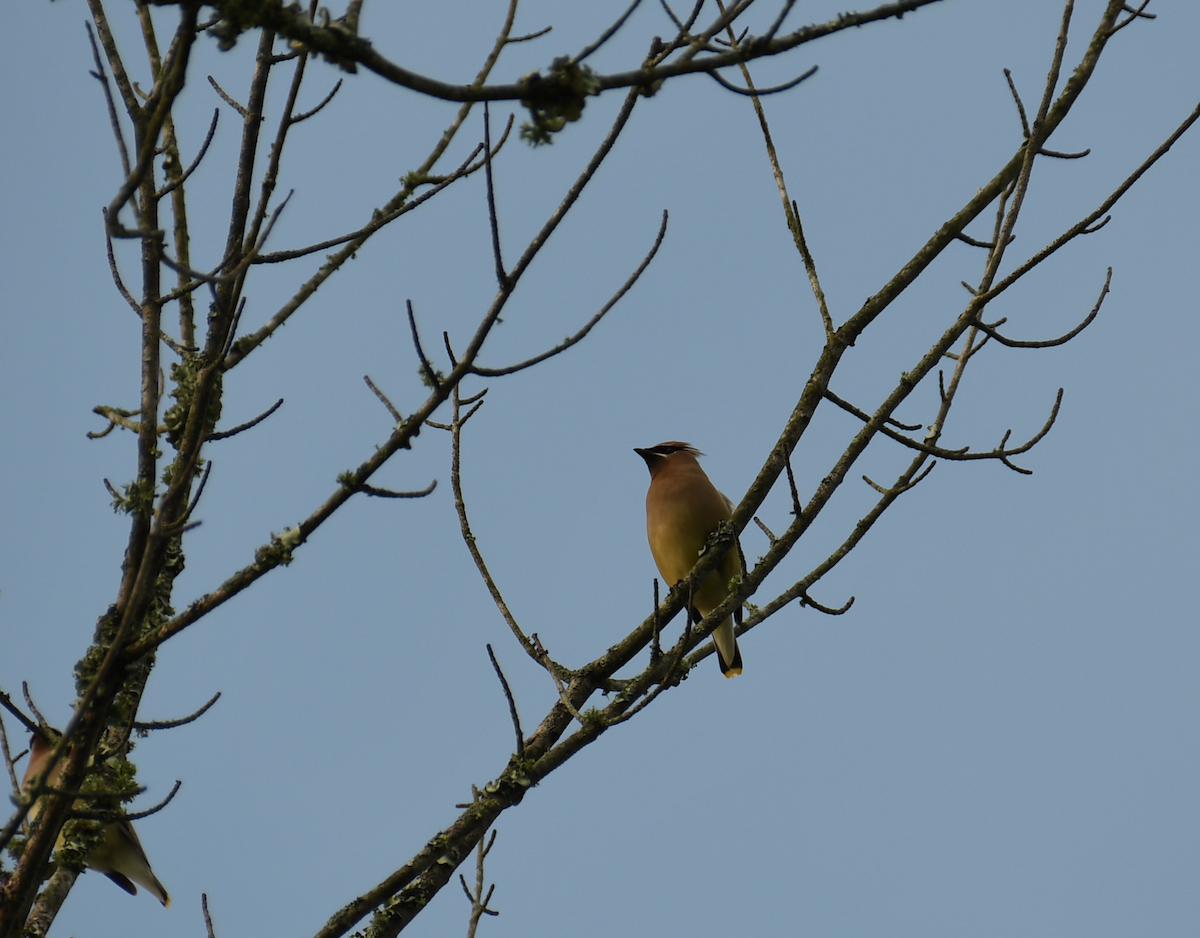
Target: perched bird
[(119, 854), (682, 509)]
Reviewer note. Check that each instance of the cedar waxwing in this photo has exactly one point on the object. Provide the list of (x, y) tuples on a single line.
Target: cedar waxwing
[(119, 854), (682, 509)]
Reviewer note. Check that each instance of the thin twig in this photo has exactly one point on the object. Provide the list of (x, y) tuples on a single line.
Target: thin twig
[(227, 99), (241, 427), (1060, 155), (806, 600), (378, 221), (587, 327), (1050, 343), (428, 373), (512, 704), (42, 722), (7, 704), (1020, 107), (183, 177), (378, 492), (313, 112), (759, 92), (529, 36), (460, 506), (608, 33), (208, 922), (8, 760), (114, 120), (396, 415), (145, 726), (501, 276), (542, 656)]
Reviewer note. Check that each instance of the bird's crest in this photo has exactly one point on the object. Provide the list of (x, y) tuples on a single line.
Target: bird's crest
[(674, 446)]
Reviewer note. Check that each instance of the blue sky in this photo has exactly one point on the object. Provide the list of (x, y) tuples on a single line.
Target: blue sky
[(998, 739)]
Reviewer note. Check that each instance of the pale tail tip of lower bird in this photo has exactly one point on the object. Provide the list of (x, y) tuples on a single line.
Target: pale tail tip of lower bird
[(730, 670)]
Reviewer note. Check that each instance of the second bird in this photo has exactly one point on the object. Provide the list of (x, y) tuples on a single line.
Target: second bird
[(683, 508)]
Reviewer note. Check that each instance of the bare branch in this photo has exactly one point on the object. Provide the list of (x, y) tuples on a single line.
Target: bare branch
[(245, 114), (501, 276), (428, 374), (1020, 107), (226, 434), (341, 46), (587, 327), (312, 112), (765, 530), (608, 33), (378, 221), (460, 506), (1133, 15), (528, 36), (113, 119), (146, 726), (10, 760), (850, 408), (1050, 343), (389, 493), (396, 415), (758, 92), (7, 704), (512, 704), (806, 600), (183, 177), (115, 815), (208, 922), (783, 12), (42, 721), (1086, 225), (1059, 155), (542, 656)]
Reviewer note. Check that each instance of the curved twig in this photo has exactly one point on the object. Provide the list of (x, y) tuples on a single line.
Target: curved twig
[(460, 506), (1020, 106), (608, 33), (587, 327), (760, 92), (512, 704), (1060, 155), (136, 815), (528, 36), (806, 600), (312, 112), (1048, 343), (1133, 15), (176, 183), (245, 114), (42, 721), (376, 223), (377, 492), (182, 721), (428, 374), (241, 427), (7, 704)]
